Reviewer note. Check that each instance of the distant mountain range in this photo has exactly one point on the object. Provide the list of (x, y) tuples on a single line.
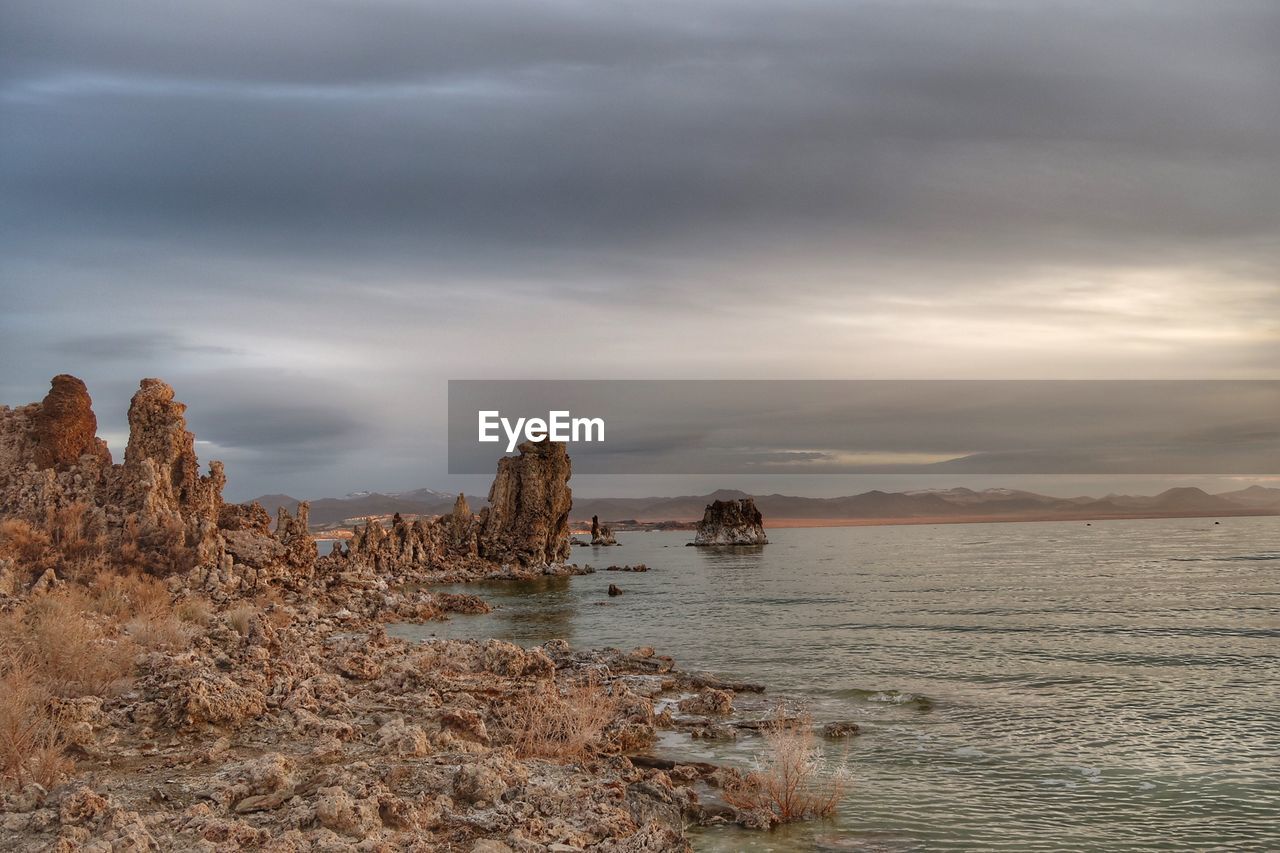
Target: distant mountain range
[(330, 512), (942, 504)]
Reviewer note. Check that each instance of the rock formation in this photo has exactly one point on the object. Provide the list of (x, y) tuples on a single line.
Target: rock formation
[(527, 519), (409, 548), (461, 534), (155, 511), (735, 522), (64, 428), (158, 513), (526, 525), (171, 506), (600, 534)]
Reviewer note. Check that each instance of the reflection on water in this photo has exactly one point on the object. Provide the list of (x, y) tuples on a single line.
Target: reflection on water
[(729, 556), (1021, 686)]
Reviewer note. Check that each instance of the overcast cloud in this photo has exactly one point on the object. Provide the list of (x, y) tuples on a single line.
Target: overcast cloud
[(308, 215)]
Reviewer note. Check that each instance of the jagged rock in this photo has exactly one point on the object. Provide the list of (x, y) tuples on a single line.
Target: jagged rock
[(214, 698), (526, 526), (293, 532), (600, 534), (338, 810), (411, 547), (155, 511), (46, 582), (736, 522), (408, 546), (173, 509), (841, 729), (65, 428), (81, 804), (49, 457), (253, 517), (527, 519), (160, 460), (709, 701), (461, 535)]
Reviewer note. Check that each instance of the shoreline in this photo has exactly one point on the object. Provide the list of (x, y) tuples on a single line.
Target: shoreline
[(776, 523), (784, 523)]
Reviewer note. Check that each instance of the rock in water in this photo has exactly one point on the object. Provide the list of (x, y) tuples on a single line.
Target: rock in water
[(601, 535), (527, 519), (731, 523)]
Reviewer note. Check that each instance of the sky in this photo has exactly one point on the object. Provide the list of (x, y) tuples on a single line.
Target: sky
[(308, 216)]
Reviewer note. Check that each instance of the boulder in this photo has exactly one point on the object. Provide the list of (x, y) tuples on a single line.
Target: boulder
[(527, 519), (734, 522), (600, 534), (65, 427)]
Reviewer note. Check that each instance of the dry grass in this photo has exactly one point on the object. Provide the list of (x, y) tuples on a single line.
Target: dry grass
[(125, 596), (76, 640), (71, 541), (157, 548), (160, 632), (792, 780), (23, 542), (548, 724), (79, 639), (32, 748), (241, 618), (74, 651), (129, 548), (195, 611), (75, 531)]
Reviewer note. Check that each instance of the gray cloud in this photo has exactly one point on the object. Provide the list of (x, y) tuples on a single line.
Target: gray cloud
[(131, 346), (878, 427), (378, 196)]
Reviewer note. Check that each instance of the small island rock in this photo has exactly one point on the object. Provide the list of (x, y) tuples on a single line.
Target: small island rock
[(734, 522)]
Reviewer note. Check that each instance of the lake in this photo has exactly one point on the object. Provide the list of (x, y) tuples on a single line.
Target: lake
[(1034, 686)]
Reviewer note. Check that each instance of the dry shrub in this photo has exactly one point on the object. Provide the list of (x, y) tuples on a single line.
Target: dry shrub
[(195, 611), (129, 547), (144, 604), (155, 546), (75, 530), (71, 649), (71, 541), (22, 542), (793, 780), (84, 567), (545, 723), (32, 746), (160, 632), (241, 618), (124, 596), (272, 607)]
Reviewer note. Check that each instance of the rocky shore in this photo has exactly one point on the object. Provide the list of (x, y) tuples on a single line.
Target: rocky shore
[(179, 675)]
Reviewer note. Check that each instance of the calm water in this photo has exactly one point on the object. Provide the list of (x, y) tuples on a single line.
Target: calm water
[(1046, 686)]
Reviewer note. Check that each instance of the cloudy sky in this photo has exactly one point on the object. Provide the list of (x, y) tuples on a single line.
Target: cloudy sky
[(307, 216)]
